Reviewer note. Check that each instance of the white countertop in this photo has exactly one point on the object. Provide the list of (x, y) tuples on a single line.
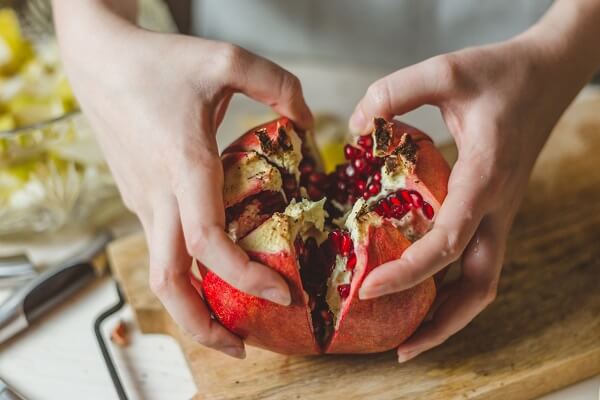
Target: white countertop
[(58, 357)]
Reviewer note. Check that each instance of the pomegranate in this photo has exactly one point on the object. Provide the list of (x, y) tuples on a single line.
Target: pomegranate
[(324, 233)]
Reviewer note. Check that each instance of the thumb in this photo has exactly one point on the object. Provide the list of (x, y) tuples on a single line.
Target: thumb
[(401, 92)]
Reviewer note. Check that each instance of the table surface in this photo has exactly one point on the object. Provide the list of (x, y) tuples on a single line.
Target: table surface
[(58, 357)]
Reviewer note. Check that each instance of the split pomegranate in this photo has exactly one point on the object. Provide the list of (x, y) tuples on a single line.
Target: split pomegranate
[(324, 233)]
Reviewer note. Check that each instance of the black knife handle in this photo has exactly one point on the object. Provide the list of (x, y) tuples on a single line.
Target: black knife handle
[(55, 288)]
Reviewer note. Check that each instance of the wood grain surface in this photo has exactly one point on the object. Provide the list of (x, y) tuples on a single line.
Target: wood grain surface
[(542, 332)]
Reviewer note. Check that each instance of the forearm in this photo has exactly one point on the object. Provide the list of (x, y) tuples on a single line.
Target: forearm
[(85, 27), (567, 38)]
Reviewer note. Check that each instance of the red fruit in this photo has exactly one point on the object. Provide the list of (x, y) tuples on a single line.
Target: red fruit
[(344, 290), (360, 165), (351, 263), (304, 243), (374, 188), (365, 141), (428, 210)]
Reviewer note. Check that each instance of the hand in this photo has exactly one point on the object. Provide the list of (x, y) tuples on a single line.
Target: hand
[(499, 102), (156, 101)]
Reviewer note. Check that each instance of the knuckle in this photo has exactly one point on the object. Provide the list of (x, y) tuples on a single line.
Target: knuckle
[(197, 241), (452, 248), (161, 280), (447, 68), (229, 58)]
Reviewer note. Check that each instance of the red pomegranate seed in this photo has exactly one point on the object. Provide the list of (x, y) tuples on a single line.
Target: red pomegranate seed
[(427, 210), (366, 195), (340, 171), (314, 192), (365, 141), (317, 178), (351, 263), (394, 201), (374, 188), (398, 212), (345, 244), (335, 237), (344, 290), (360, 185), (307, 165), (404, 196), (360, 164), (289, 183), (351, 152), (387, 210), (349, 171), (377, 176), (341, 185), (417, 199)]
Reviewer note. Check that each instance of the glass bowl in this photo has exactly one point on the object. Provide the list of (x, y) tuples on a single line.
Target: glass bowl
[(53, 173)]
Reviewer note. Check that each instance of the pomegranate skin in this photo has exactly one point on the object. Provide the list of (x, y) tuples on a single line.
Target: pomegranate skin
[(380, 324), (363, 326), (261, 323)]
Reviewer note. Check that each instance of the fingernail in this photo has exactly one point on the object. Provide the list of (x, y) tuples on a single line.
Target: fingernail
[(234, 351), (404, 357), (357, 122), (277, 296), (372, 291)]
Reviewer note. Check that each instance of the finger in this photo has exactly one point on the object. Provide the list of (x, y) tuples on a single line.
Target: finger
[(454, 226), (402, 91), (199, 189), (270, 84), (169, 279), (466, 298)]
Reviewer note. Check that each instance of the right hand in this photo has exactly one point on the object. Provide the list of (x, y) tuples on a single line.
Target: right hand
[(155, 101)]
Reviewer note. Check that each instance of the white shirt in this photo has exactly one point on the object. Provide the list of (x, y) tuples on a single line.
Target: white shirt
[(390, 33)]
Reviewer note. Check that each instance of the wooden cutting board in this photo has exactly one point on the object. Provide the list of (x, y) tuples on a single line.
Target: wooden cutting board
[(542, 332)]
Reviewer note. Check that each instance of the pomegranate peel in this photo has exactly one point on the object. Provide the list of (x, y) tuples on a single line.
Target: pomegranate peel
[(325, 233)]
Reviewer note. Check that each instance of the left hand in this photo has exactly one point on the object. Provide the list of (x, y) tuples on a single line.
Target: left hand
[(500, 103)]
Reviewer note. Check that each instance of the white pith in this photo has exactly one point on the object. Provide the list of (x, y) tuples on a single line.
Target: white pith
[(247, 174), (289, 160), (277, 234)]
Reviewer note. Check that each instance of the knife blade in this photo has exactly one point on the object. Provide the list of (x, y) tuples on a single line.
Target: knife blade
[(51, 287)]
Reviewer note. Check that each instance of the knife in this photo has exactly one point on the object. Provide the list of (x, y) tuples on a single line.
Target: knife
[(6, 393), (51, 287)]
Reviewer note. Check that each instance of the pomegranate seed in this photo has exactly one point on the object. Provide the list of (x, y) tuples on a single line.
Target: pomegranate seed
[(360, 164), (314, 192), (398, 212), (289, 182), (394, 201), (366, 195), (344, 290), (379, 210), (341, 185), (405, 196), (340, 172), (360, 186), (365, 141), (307, 165), (351, 263), (387, 210), (349, 171), (374, 188), (377, 176), (345, 244), (317, 178), (417, 199), (351, 152), (427, 210)]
